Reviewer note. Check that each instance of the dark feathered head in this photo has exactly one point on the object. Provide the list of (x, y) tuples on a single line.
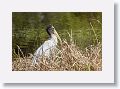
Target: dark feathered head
[(50, 29)]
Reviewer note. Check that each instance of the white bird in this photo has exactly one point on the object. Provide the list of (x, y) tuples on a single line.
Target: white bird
[(48, 46)]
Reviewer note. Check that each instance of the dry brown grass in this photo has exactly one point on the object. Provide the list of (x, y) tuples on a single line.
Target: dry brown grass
[(68, 58)]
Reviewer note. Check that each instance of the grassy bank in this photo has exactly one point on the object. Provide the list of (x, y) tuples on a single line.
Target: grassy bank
[(69, 57)]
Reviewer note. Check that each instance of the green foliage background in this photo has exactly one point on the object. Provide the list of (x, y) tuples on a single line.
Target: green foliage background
[(28, 28)]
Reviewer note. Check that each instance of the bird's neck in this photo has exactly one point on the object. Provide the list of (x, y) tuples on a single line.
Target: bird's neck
[(54, 38)]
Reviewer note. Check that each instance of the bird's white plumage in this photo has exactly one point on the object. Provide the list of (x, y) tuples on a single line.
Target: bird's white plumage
[(46, 48)]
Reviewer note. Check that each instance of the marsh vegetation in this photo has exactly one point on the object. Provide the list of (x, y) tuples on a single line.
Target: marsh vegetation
[(81, 34)]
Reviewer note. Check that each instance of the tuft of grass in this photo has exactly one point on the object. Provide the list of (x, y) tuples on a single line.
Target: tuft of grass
[(68, 57)]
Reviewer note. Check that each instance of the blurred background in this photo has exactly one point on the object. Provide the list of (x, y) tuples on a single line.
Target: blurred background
[(29, 28)]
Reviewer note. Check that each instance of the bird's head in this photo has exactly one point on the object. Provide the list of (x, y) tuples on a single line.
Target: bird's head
[(51, 30)]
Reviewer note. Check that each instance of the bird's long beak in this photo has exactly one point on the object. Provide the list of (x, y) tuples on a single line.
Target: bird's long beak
[(55, 32)]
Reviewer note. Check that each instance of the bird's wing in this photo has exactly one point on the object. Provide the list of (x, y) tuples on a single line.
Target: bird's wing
[(45, 48)]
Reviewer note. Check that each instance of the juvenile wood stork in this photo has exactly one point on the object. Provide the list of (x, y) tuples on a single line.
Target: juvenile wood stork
[(48, 46)]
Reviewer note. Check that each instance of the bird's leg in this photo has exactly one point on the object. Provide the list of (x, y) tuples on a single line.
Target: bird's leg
[(34, 61)]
